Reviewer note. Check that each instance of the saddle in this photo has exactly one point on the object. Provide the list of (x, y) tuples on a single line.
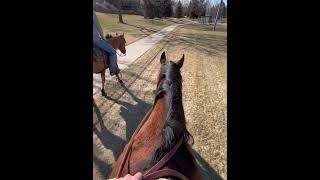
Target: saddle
[(99, 59), (98, 54)]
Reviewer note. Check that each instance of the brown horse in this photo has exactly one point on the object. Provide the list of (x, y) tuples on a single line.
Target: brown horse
[(100, 59), (159, 147)]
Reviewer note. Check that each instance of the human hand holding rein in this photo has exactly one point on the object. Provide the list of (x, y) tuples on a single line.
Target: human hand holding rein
[(137, 176)]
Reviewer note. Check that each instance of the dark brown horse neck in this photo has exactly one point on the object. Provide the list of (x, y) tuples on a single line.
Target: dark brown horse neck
[(174, 128), (159, 132)]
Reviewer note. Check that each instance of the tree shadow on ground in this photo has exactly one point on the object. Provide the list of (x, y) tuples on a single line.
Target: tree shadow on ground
[(142, 28), (178, 21), (209, 44)]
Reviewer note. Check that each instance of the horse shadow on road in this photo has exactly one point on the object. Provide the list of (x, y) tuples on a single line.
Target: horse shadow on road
[(103, 168), (207, 172), (132, 114), (108, 139)]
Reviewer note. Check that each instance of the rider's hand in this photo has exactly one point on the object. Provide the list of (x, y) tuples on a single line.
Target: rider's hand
[(137, 176)]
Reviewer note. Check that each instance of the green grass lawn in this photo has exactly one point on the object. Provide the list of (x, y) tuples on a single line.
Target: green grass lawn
[(135, 27)]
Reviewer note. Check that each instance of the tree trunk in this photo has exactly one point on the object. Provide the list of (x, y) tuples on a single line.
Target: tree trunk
[(217, 16), (120, 17), (119, 12)]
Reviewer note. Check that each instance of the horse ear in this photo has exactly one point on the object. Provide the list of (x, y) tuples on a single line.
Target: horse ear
[(163, 58), (180, 62), (117, 34), (122, 34)]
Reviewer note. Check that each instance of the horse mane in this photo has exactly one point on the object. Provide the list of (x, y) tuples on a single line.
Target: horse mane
[(108, 36), (175, 126)]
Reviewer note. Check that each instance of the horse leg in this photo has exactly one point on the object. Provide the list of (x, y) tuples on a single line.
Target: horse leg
[(119, 80), (103, 78)]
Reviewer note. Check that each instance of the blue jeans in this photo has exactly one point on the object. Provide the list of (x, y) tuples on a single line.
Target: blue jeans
[(111, 53)]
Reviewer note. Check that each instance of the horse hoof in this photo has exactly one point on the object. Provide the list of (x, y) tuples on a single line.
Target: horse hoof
[(103, 93), (120, 81)]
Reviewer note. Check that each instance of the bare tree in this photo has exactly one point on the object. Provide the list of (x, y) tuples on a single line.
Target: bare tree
[(217, 16), (119, 11), (208, 7)]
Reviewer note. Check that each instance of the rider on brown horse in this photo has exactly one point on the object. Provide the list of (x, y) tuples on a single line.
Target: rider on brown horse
[(99, 40)]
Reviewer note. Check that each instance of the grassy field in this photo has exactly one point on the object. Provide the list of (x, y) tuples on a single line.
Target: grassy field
[(204, 93), (135, 27), (204, 76)]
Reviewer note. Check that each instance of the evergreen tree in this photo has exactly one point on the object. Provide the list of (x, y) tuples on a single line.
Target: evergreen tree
[(179, 10), (194, 9)]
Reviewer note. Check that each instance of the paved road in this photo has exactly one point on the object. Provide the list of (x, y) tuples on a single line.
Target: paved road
[(134, 51)]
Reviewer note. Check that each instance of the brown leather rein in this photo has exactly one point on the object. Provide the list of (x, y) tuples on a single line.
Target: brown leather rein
[(155, 171)]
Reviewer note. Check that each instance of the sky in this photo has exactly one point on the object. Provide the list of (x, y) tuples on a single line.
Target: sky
[(225, 1)]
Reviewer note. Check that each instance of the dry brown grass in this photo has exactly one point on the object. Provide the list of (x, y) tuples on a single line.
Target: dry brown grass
[(204, 93), (135, 27), (204, 98)]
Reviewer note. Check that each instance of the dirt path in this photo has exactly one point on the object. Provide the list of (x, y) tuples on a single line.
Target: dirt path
[(204, 99)]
